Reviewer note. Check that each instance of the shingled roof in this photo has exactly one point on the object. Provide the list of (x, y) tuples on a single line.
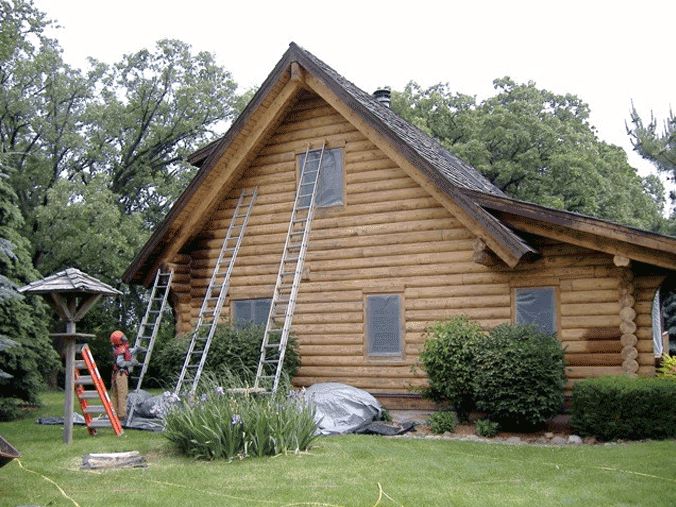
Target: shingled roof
[(70, 280), (453, 169)]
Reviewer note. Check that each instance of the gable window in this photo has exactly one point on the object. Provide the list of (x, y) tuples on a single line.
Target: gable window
[(250, 311), (384, 329), (330, 185), (536, 305)]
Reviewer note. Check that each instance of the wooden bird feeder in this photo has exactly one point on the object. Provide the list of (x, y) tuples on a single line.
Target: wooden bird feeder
[(72, 294)]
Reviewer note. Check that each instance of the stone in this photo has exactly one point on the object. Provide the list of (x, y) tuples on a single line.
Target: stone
[(549, 434), (514, 440), (590, 440), (574, 440), (558, 441)]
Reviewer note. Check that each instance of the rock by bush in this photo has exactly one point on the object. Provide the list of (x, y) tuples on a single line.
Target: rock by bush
[(519, 376), (624, 407)]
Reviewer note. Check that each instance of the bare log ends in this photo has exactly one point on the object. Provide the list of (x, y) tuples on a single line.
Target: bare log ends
[(627, 314), (482, 254), (621, 262)]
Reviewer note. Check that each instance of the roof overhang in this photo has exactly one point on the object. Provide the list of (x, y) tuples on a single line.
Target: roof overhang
[(589, 232)]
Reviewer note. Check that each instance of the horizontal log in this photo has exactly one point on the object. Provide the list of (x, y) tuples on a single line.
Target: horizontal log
[(596, 309), (472, 313), (330, 350), (589, 284), (595, 359), (459, 302), (402, 385), (450, 291), (589, 296), (602, 346), (590, 321)]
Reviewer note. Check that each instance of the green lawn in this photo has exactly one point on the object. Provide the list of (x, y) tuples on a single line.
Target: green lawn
[(343, 471)]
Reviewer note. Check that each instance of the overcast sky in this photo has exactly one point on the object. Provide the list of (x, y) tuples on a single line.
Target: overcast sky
[(608, 53)]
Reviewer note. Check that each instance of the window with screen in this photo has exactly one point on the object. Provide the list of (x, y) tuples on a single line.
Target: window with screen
[(250, 311), (384, 325), (330, 185), (536, 305)]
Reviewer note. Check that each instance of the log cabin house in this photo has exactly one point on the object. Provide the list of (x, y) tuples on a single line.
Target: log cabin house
[(405, 234)]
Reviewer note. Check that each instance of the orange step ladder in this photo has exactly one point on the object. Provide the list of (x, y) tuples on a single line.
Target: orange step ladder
[(87, 374)]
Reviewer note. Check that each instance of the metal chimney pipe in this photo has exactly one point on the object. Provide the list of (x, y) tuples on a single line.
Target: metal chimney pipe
[(383, 95)]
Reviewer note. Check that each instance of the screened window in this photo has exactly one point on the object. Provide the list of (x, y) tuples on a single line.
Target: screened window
[(537, 305), (250, 311), (330, 190), (384, 325)]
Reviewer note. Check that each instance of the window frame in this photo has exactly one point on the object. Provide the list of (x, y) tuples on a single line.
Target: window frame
[(299, 167), (389, 356), (233, 313), (556, 300)]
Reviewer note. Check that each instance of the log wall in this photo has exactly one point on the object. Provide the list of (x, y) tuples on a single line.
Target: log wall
[(391, 236)]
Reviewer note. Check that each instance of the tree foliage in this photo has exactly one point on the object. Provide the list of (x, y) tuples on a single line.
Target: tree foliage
[(537, 146), (26, 354), (658, 147), (98, 154)]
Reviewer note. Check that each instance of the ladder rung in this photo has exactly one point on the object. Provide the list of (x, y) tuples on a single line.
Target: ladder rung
[(100, 423), (88, 395), (94, 409), (84, 380), (80, 364), (271, 361)]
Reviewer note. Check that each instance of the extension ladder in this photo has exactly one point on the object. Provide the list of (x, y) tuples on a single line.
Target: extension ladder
[(273, 346), (216, 293), (148, 329), (92, 377)]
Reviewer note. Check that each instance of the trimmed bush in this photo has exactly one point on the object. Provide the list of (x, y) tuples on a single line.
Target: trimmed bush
[(519, 376), (220, 425), (486, 428), (234, 350), (624, 407), (447, 358), (441, 422)]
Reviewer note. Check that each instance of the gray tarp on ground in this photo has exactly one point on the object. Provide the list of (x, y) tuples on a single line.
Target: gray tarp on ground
[(340, 408)]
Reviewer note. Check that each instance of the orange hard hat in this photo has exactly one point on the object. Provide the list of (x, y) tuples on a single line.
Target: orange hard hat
[(117, 337)]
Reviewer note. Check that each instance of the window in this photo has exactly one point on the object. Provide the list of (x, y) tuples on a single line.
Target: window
[(384, 325), (250, 311), (330, 189), (537, 305)]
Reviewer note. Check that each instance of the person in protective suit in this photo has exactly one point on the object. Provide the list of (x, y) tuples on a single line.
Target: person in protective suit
[(123, 362)]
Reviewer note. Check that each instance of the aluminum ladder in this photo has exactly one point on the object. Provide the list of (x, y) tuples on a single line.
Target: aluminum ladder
[(216, 293), (93, 378), (275, 339), (148, 329)]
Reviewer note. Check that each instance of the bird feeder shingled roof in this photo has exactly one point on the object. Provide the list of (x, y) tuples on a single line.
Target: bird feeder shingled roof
[(70, 280)]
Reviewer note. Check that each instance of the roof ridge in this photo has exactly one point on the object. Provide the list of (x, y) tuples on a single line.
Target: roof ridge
[(452, 168)]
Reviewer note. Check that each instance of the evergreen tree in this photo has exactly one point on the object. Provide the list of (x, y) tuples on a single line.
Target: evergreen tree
[(26, 352)]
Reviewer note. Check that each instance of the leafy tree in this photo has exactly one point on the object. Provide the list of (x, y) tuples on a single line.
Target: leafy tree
[(26, 354), (537, 146), (657, 147)]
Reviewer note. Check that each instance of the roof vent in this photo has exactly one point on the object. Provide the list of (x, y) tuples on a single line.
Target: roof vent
[(382, 95)]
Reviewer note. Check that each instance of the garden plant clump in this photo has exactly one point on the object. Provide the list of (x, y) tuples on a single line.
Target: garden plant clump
[(441, 422), (624, 407), (447, 358), (515, 373), (223, 425), (486, 428), (233, 349)]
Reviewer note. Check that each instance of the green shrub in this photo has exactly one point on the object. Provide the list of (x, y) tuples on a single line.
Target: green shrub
[(624, 407), (224, 426), (441, 422), (232, 349), (668, 367), (486, 428), (447, 358), (519, 376)]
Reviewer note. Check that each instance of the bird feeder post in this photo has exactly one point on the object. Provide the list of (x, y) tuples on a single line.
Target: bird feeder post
[(71, 293)]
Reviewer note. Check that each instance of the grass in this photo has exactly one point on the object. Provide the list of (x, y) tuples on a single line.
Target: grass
[(345, 471)]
